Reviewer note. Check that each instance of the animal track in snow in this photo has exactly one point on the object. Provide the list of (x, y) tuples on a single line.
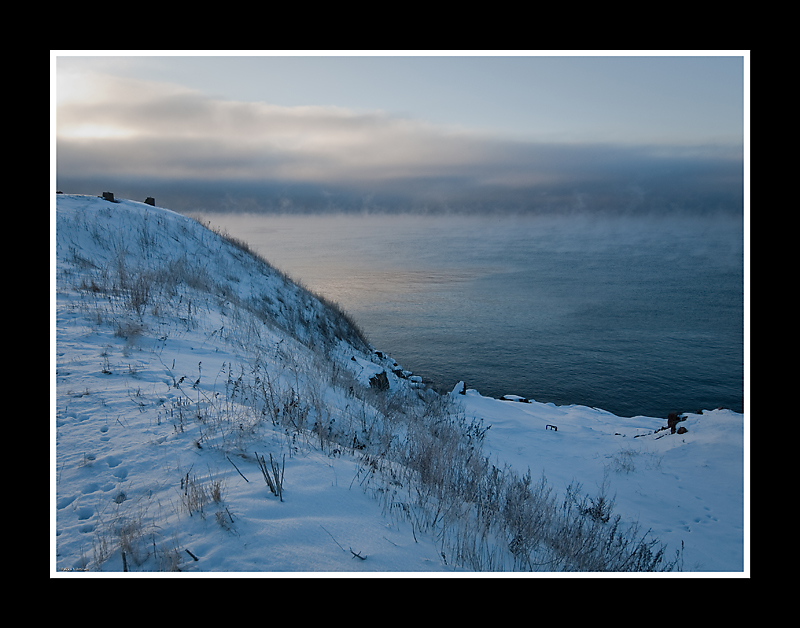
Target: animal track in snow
[(705, 519)]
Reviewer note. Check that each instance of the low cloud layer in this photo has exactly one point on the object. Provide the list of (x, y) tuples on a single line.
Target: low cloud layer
[(266, 157)]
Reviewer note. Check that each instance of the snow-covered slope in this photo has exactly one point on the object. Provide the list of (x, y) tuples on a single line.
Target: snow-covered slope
[(183, 363), (684, 487)]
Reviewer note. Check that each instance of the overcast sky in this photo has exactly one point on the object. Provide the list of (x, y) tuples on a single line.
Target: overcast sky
[(401, 132)]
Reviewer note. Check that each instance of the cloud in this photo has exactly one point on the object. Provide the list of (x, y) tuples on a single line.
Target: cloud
[(259, 140), (123, 128)]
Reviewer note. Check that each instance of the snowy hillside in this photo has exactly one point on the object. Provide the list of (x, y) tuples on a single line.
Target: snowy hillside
[(213, 416)]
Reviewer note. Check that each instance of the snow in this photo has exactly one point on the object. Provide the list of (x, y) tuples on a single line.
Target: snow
[(151, 414), (683, 487)]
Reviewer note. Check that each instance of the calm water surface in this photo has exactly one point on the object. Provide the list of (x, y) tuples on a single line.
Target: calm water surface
[(632, 315)]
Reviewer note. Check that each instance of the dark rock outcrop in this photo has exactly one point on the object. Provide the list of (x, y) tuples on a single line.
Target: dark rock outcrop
[(673, 419), (379, 381)]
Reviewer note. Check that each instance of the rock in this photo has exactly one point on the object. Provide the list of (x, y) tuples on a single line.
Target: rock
[(682, 430), (150, 201), (673, 419), (108, 196), (379, 381)]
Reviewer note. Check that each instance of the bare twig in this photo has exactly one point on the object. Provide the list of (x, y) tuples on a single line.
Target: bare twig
[(358, 555), (237, 468), (334, 540)]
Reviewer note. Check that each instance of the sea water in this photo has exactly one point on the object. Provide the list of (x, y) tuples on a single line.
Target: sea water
[(634, 315)]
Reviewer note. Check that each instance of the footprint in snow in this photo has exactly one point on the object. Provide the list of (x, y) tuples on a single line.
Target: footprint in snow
[(91, 487), (63, 502)]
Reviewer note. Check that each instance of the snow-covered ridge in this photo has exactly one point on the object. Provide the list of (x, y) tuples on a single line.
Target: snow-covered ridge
[(166, 248), (182, 361)]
